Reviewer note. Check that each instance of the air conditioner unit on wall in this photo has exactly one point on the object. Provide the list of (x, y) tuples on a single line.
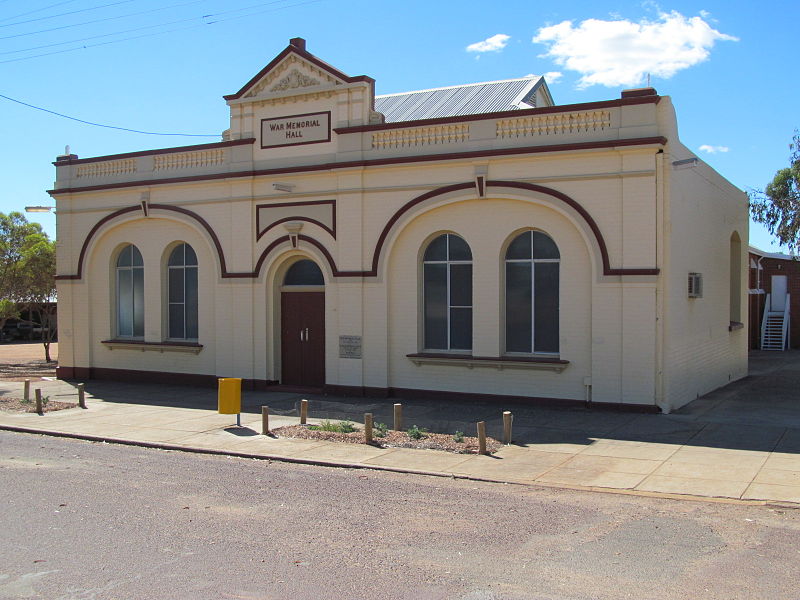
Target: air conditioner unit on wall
[(695, 285)]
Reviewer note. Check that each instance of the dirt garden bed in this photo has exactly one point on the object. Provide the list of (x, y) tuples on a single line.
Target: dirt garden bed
[(9, 404), (391, 439), (25, 360)]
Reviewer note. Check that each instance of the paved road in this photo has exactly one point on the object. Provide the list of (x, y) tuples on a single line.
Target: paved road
[(85, 521)]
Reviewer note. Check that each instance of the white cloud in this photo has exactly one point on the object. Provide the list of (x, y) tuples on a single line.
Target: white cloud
[(713, 149), (552, 76), (492, 44), (621, 52)]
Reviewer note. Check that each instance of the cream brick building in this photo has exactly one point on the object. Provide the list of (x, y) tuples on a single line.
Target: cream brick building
[(468, 240)]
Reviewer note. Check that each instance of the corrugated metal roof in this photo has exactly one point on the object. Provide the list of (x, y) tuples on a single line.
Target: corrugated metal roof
[(470, 99)]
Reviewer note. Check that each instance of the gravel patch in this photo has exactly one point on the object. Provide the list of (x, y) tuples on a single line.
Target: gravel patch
[(392, 439), (9, 404)]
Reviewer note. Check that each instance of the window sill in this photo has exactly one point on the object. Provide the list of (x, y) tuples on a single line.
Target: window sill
[(734, 325), (190, 347), (502, 362)]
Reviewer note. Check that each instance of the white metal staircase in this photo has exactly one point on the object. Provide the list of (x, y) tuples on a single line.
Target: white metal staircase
[(775, 326)]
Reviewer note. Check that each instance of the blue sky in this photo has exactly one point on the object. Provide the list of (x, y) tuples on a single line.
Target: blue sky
[(729, 66)]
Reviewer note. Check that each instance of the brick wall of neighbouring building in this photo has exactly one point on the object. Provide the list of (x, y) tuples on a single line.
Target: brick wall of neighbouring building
[(761, 278)]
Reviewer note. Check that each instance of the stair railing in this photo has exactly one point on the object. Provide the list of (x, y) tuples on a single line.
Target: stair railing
[(767, 306), (785, 332)]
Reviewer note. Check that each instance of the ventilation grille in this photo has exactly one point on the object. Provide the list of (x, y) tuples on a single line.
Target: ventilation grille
[(695, 285)]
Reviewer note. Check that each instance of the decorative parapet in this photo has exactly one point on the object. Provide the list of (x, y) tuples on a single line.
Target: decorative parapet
[(188, 160), (421, 136), (107, 168), (554, 124)]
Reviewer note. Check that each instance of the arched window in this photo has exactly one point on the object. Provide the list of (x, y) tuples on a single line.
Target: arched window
[(532, 274), (130, 293), (304, 272), (447, 294), (182, 285)]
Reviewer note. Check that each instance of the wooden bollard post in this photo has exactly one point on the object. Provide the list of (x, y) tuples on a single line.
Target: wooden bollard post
[(508, 418), (38, 401), (482, 437), (27, 393), (398, 417), (368, 428), (265, 420), (82, 395), (303, 411)]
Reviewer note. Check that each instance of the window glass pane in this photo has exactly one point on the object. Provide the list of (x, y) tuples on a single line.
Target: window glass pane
[(176, 284), (544, 246), (459, 249), (460, 285), (546, 309), (138, 302), (437, 249), (176, 329), (191, 257), (124, 258), (461, 328), (191, 303), (176, 256), (124, 303), (435, 306), (518, 307), (136, 257), (520, 248), (304, 272)]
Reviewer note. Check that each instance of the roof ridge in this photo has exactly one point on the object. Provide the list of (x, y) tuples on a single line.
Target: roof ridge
[(463, 85)]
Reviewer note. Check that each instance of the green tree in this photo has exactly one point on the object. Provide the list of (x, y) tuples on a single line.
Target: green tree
[(39, 287), (778, 206), (27, 270)]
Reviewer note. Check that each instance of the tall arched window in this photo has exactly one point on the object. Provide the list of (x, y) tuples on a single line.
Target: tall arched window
[(130, 293), (182, 284), (736, 278), (532, 274), (447, 294)]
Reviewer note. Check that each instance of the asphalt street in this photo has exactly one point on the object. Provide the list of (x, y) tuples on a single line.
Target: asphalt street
[(86, 520)]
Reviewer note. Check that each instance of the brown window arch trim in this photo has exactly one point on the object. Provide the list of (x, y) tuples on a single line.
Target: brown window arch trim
[(261, 230), (373, 272)]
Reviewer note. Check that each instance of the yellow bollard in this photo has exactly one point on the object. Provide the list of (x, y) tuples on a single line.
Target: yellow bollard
[(229, 398)]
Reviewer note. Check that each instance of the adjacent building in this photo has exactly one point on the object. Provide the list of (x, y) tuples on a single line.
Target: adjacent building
[(468, 240)]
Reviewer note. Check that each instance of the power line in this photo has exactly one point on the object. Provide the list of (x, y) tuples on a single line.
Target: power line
[(72, 12), (158, 32), (143, 12), (30, 12), (52, 112)]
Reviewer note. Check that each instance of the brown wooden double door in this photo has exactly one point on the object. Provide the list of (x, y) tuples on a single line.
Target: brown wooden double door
[(303, 338)]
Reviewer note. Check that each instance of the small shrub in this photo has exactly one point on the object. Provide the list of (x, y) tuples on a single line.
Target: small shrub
[(381, 429), (45, 400), (340, 427), (25, 400), (458, 437), (346, 427), (417, 433)]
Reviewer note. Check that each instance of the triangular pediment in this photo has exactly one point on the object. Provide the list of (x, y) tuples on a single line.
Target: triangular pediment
[(294, 69), (292, 73)]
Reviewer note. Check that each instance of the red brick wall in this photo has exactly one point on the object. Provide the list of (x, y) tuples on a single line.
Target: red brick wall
[(775, 266)]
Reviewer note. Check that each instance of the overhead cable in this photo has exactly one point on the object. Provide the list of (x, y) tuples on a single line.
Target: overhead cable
[(52, 112)]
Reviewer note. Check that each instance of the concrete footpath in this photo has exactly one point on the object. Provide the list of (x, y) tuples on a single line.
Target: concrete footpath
[(741, 442)]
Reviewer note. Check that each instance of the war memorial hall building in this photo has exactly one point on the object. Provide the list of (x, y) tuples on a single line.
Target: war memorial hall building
[(476, 239)]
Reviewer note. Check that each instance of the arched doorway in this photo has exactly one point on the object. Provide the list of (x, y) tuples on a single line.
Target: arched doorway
[(303, 325)]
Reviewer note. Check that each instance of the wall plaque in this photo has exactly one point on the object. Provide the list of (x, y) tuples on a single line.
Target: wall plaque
[(349, 346), (294, 130)]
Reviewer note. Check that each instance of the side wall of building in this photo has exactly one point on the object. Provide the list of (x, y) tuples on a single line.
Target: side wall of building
[(706, 231)]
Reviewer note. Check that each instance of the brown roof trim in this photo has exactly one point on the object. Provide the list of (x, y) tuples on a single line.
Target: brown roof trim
[(302, 53), (226, 144), (660, 140), (504, 114)]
